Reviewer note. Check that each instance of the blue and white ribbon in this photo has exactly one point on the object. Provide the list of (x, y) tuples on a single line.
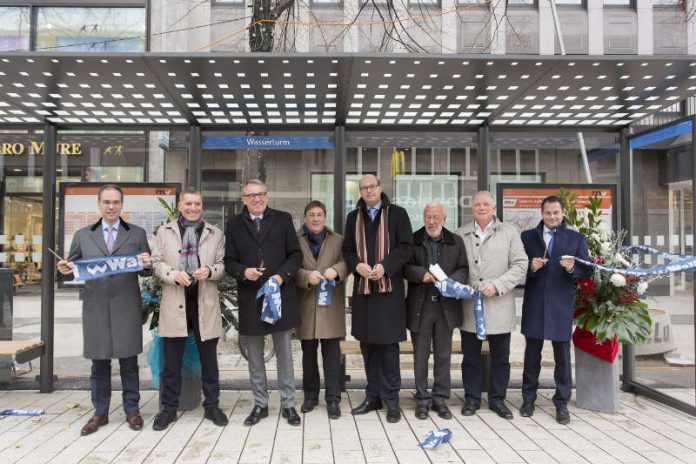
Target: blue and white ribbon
[(453, 289), (271, 310), (96, 268), (22, 412), (435, 439), (677, 263), (325, 292)]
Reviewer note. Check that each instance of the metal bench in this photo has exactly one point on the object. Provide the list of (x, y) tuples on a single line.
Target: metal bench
[(22, 350), (353, 347)]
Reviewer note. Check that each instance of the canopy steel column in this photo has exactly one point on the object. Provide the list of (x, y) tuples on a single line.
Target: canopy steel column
[(483, 158), (626, 223), (48, 267), (339, 199), (195, 163), (693, 212)]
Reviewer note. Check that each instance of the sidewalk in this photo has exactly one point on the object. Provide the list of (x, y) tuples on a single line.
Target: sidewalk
[(642, 431)]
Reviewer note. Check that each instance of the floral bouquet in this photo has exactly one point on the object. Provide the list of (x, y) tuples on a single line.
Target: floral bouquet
[(608, 306)]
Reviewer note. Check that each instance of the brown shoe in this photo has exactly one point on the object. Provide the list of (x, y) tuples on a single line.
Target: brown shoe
[(93, 424), (135, 420)]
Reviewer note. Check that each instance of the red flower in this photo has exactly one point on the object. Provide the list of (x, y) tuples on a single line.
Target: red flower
[(598, 260)]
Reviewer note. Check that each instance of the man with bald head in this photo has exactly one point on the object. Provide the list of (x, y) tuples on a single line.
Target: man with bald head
[(377, 245), (497, 262), (431, 317)]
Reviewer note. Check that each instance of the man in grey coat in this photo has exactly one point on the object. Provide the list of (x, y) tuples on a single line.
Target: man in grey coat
[(497, 262), (111, 309)]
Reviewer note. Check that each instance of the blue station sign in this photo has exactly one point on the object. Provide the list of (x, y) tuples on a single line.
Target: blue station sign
[(219, 142)]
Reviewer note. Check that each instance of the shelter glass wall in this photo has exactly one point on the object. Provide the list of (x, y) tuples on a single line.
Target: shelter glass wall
[(416, 169), (663, 219), (15, 28)]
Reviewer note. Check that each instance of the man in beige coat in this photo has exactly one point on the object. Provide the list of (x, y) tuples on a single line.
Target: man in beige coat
[(322, 263), (188, 260), (497, 263)]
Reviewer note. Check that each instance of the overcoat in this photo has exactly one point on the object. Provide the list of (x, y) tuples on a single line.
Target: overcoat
[(112, 317), (277, 248), (380, 318), (166, 263), (451, 256), (321, 322), (502, 262), (549, 294)]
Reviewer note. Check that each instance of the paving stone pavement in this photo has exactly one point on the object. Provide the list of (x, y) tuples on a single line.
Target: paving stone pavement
[(642, 431)]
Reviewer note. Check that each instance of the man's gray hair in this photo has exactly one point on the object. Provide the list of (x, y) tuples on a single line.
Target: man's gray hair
[(436, 205), (484, 192), (254, 182)]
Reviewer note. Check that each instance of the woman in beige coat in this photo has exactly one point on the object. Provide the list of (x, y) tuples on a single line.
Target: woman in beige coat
[(188, 260), (321, 323)]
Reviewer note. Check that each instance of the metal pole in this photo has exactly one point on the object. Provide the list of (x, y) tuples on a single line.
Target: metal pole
[(557, 24), (583, 154), (626, 176), (483, 158), (693, 216), (47, 259), (194, 159), (339, 197)]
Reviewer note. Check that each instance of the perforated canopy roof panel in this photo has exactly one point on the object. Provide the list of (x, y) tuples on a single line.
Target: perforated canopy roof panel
[(221, 91)]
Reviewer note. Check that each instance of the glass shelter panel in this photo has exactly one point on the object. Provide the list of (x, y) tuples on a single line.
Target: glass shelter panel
[(663, 219)]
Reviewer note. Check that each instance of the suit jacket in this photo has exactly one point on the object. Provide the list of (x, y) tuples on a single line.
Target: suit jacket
[(112, 316), (451, 256), (549, 295), (321, 321), (380, 318), (166, 263), (504, 263), (278, 248)]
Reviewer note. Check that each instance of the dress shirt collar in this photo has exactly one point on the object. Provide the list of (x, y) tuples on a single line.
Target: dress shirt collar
[(116, 226)]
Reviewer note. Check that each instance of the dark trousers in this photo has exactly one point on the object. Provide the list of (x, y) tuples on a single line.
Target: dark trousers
[(383, 372), (331, 357), (562, 372), (433, 328), (472, 367), (173, 360), (100, 384)]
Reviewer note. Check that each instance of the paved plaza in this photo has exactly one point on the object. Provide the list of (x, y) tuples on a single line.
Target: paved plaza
[(642, 431)]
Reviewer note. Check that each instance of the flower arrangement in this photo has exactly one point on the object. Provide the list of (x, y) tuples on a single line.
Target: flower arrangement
[(608, 305), (151, 287)]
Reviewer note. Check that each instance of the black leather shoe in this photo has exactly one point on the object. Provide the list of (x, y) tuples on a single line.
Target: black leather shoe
[(562, 415), (393, 415), (256, 415), (422, 411), (308, 405), (501, 410), (527, 409), (469, 408), (163, 419), (442, 411), (216, 415), (367, 406), (291, 415), (333, 410)]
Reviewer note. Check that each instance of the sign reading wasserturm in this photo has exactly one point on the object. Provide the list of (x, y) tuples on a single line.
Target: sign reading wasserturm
[(219, 142)]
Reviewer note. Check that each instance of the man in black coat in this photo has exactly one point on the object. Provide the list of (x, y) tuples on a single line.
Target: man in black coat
[(377, 245), (261, 244), (431, 317)]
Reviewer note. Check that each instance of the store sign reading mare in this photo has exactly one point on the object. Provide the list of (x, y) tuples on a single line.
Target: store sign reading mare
[(37, 148)]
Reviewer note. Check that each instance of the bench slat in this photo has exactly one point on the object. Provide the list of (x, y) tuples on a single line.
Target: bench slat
[(22, 350)]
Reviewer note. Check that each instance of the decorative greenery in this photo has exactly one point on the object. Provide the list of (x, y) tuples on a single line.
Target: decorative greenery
[(151, 287), (607, 305)]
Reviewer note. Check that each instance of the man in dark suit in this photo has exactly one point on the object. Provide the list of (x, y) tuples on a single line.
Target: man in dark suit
[(432, 317), (261, 244), (377, 245), (549, 300), (111, 309)]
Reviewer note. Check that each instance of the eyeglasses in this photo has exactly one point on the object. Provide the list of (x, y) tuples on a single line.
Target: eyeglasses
[(365, 188), (111, 203), (255, 196)]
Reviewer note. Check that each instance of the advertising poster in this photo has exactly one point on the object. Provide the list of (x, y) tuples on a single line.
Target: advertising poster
[(78, 209), (520, 204)]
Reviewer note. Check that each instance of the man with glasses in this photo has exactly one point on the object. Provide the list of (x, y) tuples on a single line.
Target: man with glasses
[(377, 245), (111, 314), (261, 244)]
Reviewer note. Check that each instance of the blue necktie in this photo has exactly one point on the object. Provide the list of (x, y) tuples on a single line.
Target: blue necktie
[(257, 223), (549, 247), (373, 213)]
